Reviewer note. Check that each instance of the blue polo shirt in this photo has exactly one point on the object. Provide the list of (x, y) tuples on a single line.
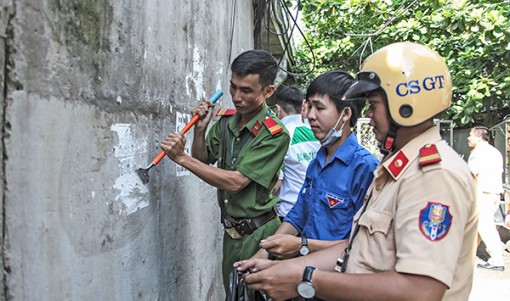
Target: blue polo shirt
[(332, 193)]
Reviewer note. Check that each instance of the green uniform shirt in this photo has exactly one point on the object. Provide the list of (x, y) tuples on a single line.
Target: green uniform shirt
[(256, 153)]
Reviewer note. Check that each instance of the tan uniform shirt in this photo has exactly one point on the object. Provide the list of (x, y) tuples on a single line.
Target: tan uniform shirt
[(420, 220)]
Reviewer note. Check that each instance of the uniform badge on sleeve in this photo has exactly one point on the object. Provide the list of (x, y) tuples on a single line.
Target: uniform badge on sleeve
[(435, 221)]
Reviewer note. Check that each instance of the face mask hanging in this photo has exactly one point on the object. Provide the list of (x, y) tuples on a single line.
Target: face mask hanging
[(333, 135)]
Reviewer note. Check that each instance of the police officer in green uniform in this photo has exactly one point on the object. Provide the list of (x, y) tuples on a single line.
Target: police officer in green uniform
[(249, 145)]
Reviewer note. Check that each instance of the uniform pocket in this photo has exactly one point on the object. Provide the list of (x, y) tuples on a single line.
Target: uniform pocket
[(335, 201), (376, 221), (375, 241)]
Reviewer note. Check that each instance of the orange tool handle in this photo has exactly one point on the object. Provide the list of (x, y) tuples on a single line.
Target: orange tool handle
[(188, 126), (183, 131)]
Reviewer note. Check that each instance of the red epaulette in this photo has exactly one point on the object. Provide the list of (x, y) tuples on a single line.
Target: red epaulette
[(429, 155), (225, 112), (272, 125), (256, 128), (398, 164)]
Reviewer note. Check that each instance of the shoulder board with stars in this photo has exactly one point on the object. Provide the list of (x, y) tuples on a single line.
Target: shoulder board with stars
[(225, 112), (272, 126), (429, 155)]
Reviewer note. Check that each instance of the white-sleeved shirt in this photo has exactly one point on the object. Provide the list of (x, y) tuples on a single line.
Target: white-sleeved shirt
[(302, 149), (486, 164)]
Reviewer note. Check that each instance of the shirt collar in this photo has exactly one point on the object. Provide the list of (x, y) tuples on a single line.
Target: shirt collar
[(250, 125), (295, 118), (399, 161), (345, 152)]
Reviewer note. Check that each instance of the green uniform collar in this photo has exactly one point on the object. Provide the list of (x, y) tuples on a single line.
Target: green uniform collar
[(252, 124)]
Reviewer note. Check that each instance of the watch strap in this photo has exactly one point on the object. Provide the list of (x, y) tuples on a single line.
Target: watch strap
[(304, 241), (307, 273)]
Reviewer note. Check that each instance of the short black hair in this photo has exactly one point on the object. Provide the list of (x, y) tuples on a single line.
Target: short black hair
[(256, 61), (334, 84), (290, 99)]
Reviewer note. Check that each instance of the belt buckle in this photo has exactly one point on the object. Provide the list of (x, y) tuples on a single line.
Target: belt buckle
[(232, 232)]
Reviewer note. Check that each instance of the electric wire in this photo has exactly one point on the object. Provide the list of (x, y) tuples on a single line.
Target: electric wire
[(271, 9)]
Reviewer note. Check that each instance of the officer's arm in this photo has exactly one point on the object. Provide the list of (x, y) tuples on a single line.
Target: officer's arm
[(381, 286), (198, 147), (228, 180)]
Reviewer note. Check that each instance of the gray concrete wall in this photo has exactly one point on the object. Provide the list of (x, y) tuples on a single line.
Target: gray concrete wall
[(90, 88)]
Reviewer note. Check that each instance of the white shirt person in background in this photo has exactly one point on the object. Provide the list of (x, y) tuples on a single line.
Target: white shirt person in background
[(302, 149), (486, 164)]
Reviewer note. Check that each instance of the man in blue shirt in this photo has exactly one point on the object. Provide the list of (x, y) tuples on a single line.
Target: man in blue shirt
[(336, 180)]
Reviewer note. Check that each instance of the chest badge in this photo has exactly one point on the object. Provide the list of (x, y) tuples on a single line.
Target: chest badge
[(333, 200), (435, 221)]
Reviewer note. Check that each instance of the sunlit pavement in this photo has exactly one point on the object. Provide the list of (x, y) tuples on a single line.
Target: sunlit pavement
[(492, 285)]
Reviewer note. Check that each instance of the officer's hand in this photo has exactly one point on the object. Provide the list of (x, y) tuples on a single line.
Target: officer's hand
[(253, 265), (173, 145), (205, 110), (281, 245), (278, 281)]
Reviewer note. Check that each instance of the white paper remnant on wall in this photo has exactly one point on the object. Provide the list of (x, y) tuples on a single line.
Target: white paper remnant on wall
[(181, 120), (133, 194)]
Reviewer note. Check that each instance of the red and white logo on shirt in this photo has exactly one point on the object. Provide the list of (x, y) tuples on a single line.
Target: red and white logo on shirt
[(334, 200)]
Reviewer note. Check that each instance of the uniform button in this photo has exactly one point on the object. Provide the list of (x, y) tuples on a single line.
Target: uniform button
[(225, 201), (238, 139), (398, 163)]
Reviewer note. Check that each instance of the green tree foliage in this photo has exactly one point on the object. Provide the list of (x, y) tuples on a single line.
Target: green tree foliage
[(472, 36)]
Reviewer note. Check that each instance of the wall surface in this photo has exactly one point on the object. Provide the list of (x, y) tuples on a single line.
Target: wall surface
[(90, 88)]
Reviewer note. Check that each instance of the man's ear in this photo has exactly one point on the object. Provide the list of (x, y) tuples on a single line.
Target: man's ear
[(269, 90), (347, 114)]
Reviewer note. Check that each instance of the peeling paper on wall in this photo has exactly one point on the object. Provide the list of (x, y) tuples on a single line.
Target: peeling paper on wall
[(181, 120), (197, 75), (133, 194)]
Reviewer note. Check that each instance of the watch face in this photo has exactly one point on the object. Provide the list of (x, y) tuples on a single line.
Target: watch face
[(304, 250), (306, 289)]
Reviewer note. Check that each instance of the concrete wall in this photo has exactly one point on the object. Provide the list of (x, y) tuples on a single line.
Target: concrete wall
[(90, 88)]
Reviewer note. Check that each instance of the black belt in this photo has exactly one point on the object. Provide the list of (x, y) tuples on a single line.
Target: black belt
[(245, 226)]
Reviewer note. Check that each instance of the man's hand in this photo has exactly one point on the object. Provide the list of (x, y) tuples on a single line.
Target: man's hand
[(173, 145), (276, 187), (277, 279), (281, 245), (205, 111)]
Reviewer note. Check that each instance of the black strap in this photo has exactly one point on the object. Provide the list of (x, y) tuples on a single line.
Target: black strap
[(345, 257), (221, 163), (389, 141)]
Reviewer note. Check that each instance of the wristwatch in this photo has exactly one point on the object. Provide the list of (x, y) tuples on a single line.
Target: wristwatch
[(304, 250), (305, 288)]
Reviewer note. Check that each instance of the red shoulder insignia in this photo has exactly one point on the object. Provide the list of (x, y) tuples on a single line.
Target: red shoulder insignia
[(272, 126), (256, 128), (397, 165), (225, 112), (429, 155)]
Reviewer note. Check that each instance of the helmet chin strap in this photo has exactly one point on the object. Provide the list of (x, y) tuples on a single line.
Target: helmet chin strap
[(389, 140)]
